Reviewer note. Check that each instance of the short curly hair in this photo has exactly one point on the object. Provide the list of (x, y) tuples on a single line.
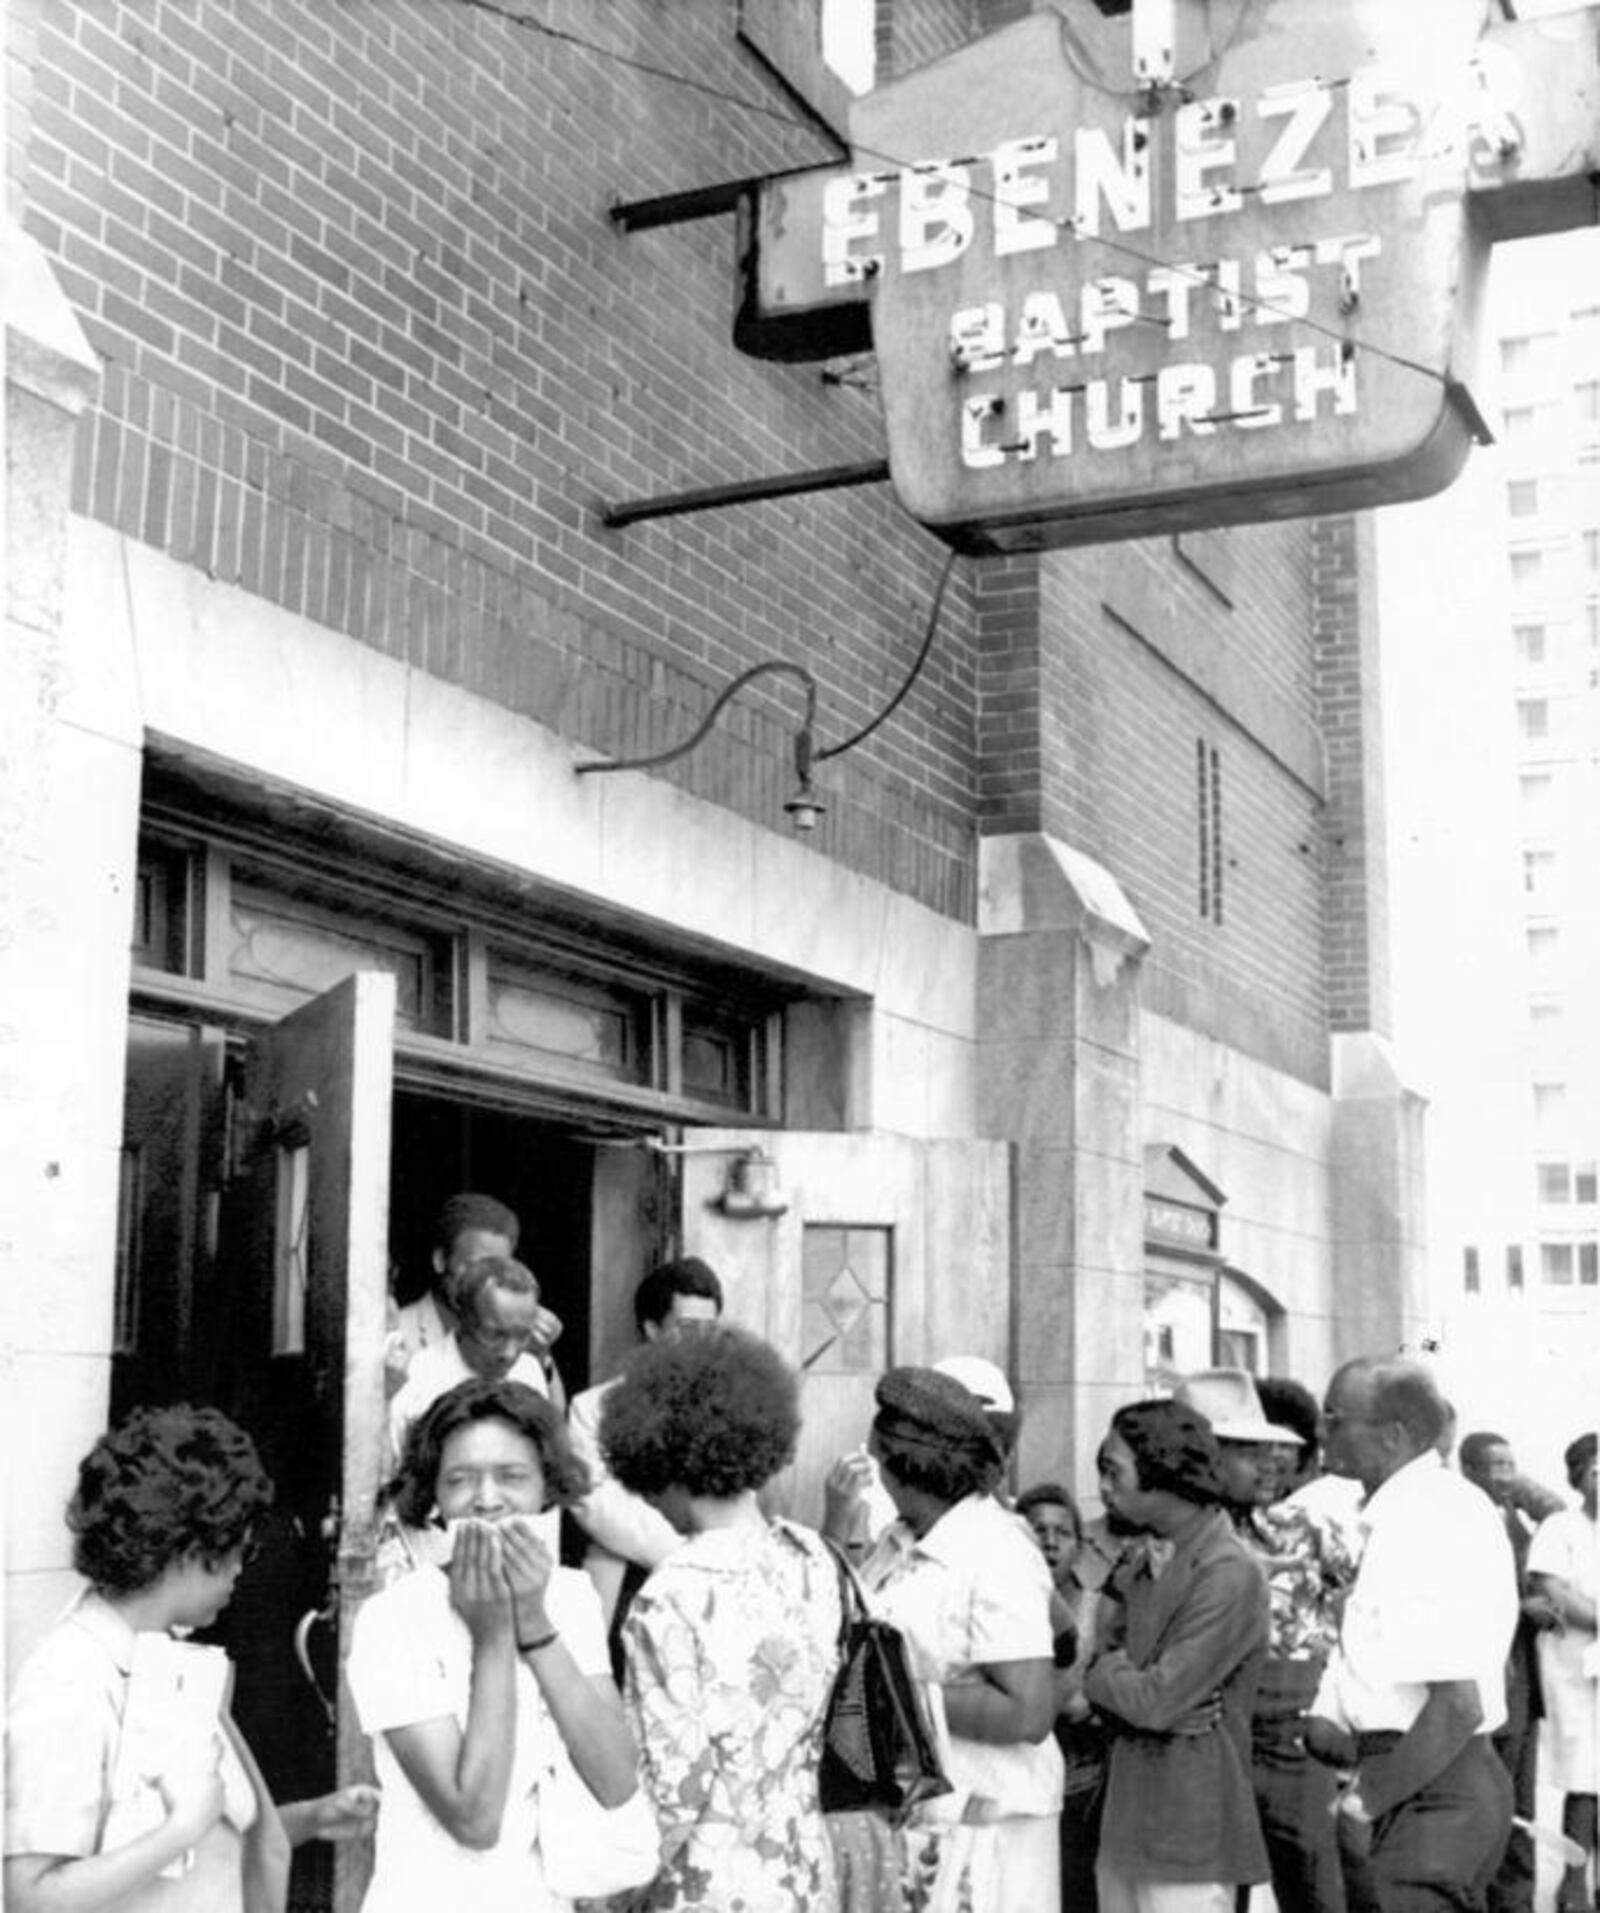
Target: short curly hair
[(1578, 1457), (714, 1414), (1049, 1494), (165, 1486), (414, 1489)]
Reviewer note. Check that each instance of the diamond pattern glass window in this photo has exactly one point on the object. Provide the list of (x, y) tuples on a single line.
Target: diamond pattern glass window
[(846, 1275)]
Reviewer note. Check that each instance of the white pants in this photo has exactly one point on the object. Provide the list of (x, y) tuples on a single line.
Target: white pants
[(1119, 1894)]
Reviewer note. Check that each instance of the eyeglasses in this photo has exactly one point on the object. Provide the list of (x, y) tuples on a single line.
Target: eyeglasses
[(1373, 1421)]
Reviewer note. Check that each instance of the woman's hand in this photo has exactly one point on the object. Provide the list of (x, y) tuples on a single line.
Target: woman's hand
[(528, 1568), (349, 1813), (480, 1591), (193, 1800)]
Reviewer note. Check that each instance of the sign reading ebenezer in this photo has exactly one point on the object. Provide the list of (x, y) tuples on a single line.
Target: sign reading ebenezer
[(1103, 309)]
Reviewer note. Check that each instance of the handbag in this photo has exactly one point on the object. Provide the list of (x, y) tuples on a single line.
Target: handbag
[(879, 1752), (589, 1851)]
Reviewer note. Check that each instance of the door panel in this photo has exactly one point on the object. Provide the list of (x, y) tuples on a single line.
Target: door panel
[(928, 1222), (305, 1259)]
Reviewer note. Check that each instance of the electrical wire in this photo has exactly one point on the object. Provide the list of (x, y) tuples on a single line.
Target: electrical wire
[(888, 711), (724, 697)]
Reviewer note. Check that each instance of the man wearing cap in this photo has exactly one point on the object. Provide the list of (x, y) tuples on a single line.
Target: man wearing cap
[(1175, 1675), (1308, 1568), (1415, 1687), (963, 1579)]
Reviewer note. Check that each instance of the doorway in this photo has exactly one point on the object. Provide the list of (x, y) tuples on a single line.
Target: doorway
[(275, 1183), (538, 1168)]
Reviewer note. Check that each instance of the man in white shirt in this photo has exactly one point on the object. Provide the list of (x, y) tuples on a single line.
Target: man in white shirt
[(627, 1537), (1415, 1687)]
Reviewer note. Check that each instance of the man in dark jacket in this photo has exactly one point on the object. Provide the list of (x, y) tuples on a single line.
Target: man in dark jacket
[(1175, 1674)]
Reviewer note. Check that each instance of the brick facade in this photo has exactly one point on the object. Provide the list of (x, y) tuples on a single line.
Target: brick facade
[(374, 351)]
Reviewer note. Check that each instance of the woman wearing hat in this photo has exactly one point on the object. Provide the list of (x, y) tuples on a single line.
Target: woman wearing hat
[(959, 1575)]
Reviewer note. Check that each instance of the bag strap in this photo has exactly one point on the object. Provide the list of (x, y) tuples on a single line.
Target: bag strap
[(852, 1596)]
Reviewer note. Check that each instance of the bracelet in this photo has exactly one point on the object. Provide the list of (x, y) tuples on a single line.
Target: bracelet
[(533, 1647)]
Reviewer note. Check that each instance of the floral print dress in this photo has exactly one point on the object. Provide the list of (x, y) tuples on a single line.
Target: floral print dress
[(731, 1649)]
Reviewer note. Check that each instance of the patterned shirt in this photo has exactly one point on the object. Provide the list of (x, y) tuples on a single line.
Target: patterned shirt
[(732, 1645), (1310, 1566)]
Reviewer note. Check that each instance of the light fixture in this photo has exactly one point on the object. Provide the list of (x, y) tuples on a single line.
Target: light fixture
[(751, 1193), (805, 808)]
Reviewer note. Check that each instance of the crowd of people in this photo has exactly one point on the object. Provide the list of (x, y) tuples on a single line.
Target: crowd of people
[(1295, 1646)]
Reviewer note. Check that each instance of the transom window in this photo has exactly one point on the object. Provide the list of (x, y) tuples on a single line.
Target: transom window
[(256, 931)]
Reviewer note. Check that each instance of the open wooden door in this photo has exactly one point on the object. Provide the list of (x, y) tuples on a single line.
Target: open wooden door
[(851, 1253), (303, 1286)]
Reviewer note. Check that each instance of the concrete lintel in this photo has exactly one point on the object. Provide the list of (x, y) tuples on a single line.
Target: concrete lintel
[(47, 353), (1031, 881)]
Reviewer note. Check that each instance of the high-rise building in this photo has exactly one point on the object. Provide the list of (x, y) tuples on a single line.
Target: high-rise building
[(1491, 620)]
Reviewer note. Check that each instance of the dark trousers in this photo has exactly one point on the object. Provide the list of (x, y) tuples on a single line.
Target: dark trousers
[(1080, 1843), (1511, 1889), (1294, 1797), (1440, 1849)]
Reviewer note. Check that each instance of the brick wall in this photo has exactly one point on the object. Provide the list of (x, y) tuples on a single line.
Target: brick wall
[(1101, 671), (375, 351), (1356, 948)]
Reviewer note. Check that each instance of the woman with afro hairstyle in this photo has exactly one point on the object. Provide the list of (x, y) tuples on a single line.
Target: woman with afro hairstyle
[(118, 1794), (732, 1643)]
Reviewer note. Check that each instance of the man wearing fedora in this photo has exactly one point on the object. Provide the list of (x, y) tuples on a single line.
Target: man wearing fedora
[(1415, 1688), (1308, 1567)]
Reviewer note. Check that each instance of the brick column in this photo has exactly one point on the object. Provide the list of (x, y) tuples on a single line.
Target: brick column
[(1377, 1205)]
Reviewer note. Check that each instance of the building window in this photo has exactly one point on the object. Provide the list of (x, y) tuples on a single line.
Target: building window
[(846, 1276), (1583, 1182), (1516, 355), (1537, 790), (1517, 421), (1530, 642), (268, 931), (1544, 945), (1549, 1106), (1591, 624), (1538, 871), (1555, 1181), (1533, 718), (1587, 394), (1522, 498), (1470, 1278), (129, 1250), (1555, 1264), (1527, 567), (1588, 1264), (1208, 795), (1590, 540), (167, 907), (1514, 1266), (849, 45)]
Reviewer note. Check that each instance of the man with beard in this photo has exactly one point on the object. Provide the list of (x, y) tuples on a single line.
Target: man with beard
[(1175, 1673)]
